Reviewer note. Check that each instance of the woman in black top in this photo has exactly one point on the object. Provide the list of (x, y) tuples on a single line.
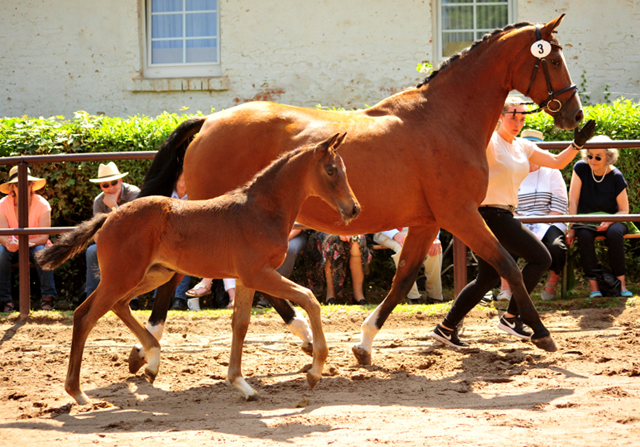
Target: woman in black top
[(599, 187)]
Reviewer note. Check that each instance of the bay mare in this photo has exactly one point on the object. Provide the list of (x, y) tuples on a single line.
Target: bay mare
[(415, 159), (242, 234)]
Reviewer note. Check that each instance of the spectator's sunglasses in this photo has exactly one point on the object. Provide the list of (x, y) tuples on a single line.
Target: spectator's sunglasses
[(597, 157), (106, 185)]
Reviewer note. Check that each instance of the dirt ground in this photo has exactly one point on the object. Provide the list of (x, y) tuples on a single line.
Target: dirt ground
[(497, 392)]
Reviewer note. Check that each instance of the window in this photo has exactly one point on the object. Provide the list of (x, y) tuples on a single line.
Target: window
[(182, 38), (462, 22)]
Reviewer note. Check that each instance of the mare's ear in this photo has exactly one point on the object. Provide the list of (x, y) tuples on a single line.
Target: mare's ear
[(549, 27), (336, 141)]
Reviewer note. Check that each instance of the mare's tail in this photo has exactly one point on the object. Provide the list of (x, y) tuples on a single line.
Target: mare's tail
[(167, 164), (70, 244)]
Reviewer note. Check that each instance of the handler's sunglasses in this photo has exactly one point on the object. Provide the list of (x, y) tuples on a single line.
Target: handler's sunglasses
[(597, 157), (106, 185)]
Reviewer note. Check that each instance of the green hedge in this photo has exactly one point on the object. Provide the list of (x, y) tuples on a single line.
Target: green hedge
[(71, 194)]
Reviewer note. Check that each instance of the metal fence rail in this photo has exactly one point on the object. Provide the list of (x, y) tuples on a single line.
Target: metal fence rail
[(23, 231)]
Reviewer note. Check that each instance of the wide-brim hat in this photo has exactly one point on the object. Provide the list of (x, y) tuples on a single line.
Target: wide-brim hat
[(533, 135), (108, 172), (38, 183)]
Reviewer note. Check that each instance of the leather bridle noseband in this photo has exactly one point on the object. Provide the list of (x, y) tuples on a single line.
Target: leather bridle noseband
[(551, 99)]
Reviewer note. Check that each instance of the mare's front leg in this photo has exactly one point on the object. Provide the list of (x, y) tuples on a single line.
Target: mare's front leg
[(414, 251), (84, 319), (156, 322), (239, 326), (294, 320)]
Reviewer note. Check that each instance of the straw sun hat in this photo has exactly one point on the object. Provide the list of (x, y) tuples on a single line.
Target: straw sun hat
[(38, 183), (107, 173)]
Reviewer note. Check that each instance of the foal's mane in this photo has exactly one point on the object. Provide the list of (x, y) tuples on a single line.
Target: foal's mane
[(271, 170), (474, 45)]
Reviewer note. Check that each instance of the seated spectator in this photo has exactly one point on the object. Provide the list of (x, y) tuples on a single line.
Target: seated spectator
[(599, 187), (543, 193), (114, 193), (39, 216), (394, 239), (203, 288), (328, 256)]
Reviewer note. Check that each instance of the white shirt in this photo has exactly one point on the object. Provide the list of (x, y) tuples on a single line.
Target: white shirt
[(508, 167), (543, 191)]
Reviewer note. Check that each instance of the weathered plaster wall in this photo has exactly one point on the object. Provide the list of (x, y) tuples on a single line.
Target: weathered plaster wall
[(601, 40), (68, 55), (77, 55)]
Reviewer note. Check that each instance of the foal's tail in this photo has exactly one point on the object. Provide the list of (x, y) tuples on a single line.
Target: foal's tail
[(167, 164), (70, 244)]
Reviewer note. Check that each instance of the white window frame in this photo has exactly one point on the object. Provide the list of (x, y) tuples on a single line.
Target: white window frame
[(183, 70), (511, 18)]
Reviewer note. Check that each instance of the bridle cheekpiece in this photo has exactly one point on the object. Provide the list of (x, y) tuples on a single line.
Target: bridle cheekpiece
[(541, 49)]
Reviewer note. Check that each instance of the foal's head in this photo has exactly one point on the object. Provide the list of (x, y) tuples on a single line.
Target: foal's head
[(330, 180)]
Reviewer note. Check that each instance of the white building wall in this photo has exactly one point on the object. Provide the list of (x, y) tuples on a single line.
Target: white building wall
[(57, 57)]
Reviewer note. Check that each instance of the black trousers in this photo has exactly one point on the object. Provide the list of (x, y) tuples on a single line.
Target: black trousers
[(615, 241), (516, 239), (554, 240)]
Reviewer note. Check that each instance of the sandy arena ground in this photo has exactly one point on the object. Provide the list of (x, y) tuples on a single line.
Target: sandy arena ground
[(498, 392)]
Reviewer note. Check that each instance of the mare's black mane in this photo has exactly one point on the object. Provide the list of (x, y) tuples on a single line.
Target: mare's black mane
[(455, 57)]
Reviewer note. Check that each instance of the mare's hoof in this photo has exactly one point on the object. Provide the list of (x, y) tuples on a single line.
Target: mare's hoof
[(151, 377), (307, 348), (363, 356), (253, 397), (545, 343), (312, 380), (135, 360)]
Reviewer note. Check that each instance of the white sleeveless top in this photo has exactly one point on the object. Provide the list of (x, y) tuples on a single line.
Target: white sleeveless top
[(508, 167)]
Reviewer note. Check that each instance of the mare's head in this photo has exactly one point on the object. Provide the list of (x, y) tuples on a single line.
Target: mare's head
[(542, 75), (329, 179)]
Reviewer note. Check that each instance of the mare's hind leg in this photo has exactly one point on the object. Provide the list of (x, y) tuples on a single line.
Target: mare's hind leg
[(473, 231), (155, 277), (239, 325), (84, 319), (155, 325), (294, 320), (149, 343), (414, 250)]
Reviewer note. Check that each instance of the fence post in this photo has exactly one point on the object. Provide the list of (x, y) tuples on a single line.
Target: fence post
[(23, 251), (459, 266)]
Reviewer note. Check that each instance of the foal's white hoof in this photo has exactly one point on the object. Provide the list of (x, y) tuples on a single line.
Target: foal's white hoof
[(362, 355), (82, 399), (150, 375), (241, 385), (136, 359)]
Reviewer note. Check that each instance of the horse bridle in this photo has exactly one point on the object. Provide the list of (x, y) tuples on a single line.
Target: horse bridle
[(551, 99)]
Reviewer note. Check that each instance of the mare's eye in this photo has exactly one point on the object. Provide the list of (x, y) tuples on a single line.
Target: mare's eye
[(330, 170), (556, 62)]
